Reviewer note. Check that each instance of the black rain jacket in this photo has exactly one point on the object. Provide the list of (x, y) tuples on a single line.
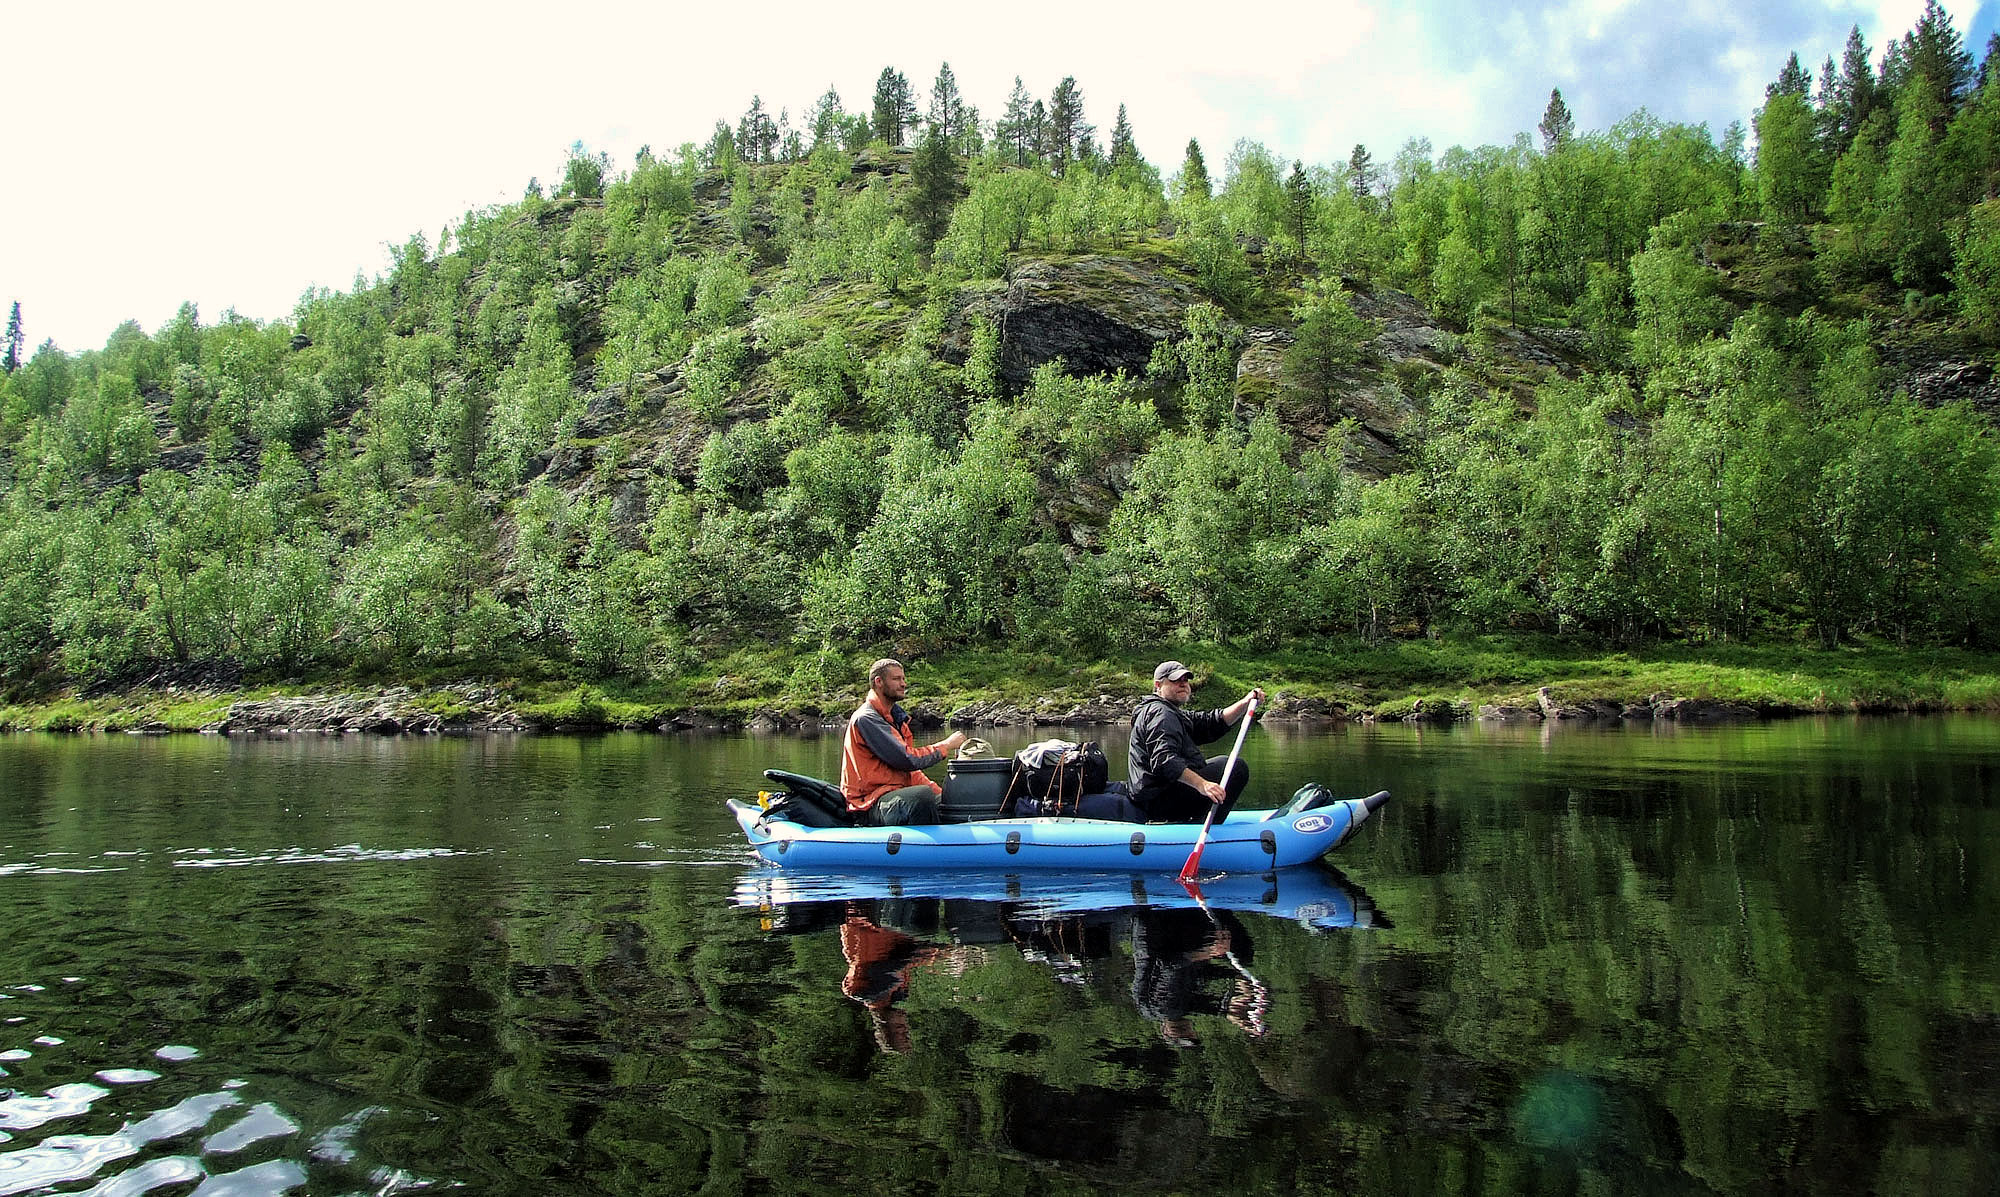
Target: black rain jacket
[(1166, 740)]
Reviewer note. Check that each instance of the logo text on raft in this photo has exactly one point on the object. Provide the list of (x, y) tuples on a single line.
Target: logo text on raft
[(1311, 824)]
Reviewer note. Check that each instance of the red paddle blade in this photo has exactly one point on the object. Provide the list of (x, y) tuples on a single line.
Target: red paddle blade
[(1192, 869)]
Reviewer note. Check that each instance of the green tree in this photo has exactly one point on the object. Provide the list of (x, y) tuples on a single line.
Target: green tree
[(1935, 59), (827, 119), (1674, 296), (934, 188), (1065, 132), (1193, 179), (947, 116), (1361, 172), (895, 106), (1123, 150), (1916, 196), (1017, 129), (1793, 80), (1853, 93), (757, 136), (11, 360), (1298, 203), (1331, 340), (1557, 125), (1975, 273), (1791, 171)]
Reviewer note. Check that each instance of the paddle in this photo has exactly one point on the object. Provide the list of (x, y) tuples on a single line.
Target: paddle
[(1192, 868)]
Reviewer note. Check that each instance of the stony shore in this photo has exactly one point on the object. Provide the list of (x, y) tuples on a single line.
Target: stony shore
[(480, 711)]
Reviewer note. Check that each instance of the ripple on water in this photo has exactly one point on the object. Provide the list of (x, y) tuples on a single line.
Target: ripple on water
[(262, 1121), (231, 858), (175, 1053), (21, 1112), (127, 1076)]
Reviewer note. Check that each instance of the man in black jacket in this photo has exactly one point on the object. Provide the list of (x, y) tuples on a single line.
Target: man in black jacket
[(1173, 781)]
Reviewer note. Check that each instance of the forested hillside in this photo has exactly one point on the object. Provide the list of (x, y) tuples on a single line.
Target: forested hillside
[(909, 379)]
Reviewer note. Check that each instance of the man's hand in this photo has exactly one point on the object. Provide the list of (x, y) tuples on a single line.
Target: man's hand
[(950, 743), (1213, 791)]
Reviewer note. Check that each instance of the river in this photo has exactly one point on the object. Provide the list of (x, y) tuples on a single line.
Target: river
[(1656, 959)]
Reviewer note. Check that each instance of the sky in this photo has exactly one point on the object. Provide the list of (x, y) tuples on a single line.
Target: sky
[(238, 153)]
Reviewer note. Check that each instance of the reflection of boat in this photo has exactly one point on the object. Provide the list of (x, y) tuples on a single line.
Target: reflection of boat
[(1304, 830), (1315, 897)]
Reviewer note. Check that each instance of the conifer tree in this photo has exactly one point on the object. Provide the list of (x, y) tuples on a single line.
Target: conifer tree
[(1792, 80), (947, 111), (1826, 104), (1122, 148), (1361, 171), (1557, 126), (1066, 129), (1298, 201), (1194, 174), (15, 341), (1853, 92), (757, 133), (934, 191), (827, 118), (895, 107), (1934, 52), (1016, 129)]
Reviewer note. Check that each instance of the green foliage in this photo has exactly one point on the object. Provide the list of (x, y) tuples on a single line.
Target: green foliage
[(1210, 247), (424, 469), (1975, 273), (1331, 341), (1791, 171)]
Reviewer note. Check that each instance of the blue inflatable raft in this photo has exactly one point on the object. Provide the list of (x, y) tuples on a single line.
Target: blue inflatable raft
[(1303, 830)]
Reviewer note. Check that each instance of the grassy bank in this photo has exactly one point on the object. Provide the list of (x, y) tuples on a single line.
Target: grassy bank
[(1384, 680)]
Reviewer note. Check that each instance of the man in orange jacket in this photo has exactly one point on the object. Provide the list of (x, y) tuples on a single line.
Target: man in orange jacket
[(881, 767)]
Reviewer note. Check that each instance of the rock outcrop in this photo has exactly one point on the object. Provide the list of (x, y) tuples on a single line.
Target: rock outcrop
[(1096, 312)]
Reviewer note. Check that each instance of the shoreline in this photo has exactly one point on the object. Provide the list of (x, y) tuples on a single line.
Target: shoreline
[(481, 710)]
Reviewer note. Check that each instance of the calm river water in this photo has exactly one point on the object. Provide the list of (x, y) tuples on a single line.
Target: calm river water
[(1606, 961)]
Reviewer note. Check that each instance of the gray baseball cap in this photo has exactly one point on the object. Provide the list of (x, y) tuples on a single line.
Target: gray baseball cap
[(1171, 671)]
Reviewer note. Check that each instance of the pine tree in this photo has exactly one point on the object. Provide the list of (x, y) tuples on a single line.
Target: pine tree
[(1361, 171), (1016, 127), (947, 112), (757, 133), (895, 107), (934, 190), (1194, 173), (1066, 129), (1853, 92), (16, 341), (827, 118), (1299, 201), (1792, 80), (1557, 126), (1826, 104), (1122, 148), (1935, 52)]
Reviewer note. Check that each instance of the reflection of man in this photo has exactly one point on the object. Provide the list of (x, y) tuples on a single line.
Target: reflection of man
[(881, 767), (878, 963), (1172, 951)]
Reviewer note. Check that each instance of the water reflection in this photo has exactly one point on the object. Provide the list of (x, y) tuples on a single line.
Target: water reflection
[(1183, 954), (1624, 960)]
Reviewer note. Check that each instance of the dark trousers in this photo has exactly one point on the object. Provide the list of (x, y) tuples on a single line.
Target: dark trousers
[(911, 805), (1177, 802)]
